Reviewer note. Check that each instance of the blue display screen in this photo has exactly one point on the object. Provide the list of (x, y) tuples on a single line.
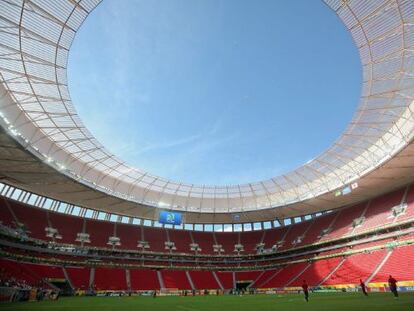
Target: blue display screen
[(171, 218), (346, 190)]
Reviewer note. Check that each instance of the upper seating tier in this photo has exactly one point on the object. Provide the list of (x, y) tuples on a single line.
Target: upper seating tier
[(340, 223)]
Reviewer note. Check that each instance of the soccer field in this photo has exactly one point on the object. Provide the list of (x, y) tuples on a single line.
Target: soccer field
[(337, 302)]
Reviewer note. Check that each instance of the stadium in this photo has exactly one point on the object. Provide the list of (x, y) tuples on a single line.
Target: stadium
[(81, 228)]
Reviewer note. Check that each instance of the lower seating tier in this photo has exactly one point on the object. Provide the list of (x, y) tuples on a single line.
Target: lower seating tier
[(371, 267)]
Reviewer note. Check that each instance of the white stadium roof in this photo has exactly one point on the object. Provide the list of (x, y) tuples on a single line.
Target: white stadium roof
[(35, 105)]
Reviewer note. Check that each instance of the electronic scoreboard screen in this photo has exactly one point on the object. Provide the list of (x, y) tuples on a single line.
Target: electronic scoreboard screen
[(170, 218)]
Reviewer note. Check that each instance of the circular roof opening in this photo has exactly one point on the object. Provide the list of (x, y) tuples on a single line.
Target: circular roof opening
[(215, 92), (38, 112)]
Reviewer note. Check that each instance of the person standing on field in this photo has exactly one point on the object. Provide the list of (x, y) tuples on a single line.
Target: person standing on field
[(305, 290), (392, 283), (363, 287)]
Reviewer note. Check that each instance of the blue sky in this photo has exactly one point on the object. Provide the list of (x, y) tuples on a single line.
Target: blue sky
[(214, 91)]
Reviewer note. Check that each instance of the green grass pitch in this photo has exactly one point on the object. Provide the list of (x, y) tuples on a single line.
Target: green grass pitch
[(291, 302)]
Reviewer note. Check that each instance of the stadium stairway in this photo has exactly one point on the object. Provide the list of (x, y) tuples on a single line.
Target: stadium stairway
[(128, 279), (409, 201), (332, 272), (380, 265), (65, 273), (160, 279), (218, 280), (79, 277), (190, 280), (203, 280), (287, 275), (266, 278), (226, 279), (175, 279), (355, 267), (91, 277), (343, 225), (316, 271), (399, 265), (301, 272), (379, 212), (255, 280)]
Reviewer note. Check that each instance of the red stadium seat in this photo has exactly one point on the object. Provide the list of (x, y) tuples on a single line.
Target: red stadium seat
[(285, 276), (359, 266), (110, 279), (144, 280), (226, 279), (175, 279), (399, 265), (79, 277), (204, 280)]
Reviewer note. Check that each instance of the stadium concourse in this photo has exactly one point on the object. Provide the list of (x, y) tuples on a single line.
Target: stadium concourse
[(77, 220)]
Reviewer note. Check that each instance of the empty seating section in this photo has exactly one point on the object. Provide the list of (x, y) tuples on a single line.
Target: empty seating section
[(340, 224), (129, 236), (144, 280), (44, 271), (205, 240), (33, 274), (175, 279), (33, 218), (204, 280), (359, 266), (227, 240), (13, 269), (99, 232), (379, 211), (332, 271), (250, 240), (263, 277), (399, 265), (156, 238), (181, 239), (79, 277), (317, 272), (68, 233), (343, 223), (226, 279), (110, 279), (294, 232), (6, 217), (409, 212), (341, 271), (272, 236), (313, 233), (285, 276)]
